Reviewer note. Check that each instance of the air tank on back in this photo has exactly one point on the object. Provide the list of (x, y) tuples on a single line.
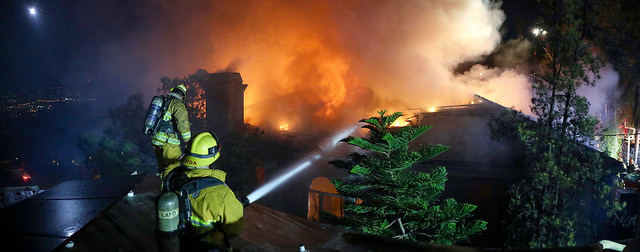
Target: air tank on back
[(153, 114)]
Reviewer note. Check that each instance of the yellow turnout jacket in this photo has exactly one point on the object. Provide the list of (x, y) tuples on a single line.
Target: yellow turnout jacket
[(215, 207), (177, 116)]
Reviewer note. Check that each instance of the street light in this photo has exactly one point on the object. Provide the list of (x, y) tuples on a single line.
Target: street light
[(540, 33), (32, 11), (537, 31)]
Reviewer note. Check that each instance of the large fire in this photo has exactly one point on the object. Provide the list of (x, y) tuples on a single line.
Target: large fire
[(324, 63)]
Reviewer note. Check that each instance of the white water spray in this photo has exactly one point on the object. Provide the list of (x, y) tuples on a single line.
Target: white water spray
[(268, 187), (306, 162)]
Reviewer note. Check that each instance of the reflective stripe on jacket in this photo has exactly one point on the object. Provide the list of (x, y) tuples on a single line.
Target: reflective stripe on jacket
[(215, 207), (177, 116)]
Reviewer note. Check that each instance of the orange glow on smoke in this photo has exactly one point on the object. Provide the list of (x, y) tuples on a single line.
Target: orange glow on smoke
[(309, 86)]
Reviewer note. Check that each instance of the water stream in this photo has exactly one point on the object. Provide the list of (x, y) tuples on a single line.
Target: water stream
[(324, 146)]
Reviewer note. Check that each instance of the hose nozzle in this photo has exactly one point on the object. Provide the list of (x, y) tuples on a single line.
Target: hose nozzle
[(244, 201)]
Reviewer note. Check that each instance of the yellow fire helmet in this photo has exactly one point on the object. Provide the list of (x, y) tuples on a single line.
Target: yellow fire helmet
[(179, 89), (203, 150)]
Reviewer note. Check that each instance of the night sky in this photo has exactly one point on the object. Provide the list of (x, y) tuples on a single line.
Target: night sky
[(61, 40), (106, 48), (65, 44)]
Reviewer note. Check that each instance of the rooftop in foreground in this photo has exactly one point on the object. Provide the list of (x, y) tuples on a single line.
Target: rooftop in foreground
[(129, 225)]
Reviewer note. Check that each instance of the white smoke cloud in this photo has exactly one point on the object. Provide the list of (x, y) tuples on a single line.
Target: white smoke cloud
[(603, 94), (407, 51), (506, 87)]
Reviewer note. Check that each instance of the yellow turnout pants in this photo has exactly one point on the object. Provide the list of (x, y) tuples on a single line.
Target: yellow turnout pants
[(168, 156)]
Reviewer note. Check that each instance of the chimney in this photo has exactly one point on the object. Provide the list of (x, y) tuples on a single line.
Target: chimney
[(224, 93)]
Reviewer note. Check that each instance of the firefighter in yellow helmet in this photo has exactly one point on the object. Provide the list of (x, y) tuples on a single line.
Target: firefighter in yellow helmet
[(216, 213), (174, 123)]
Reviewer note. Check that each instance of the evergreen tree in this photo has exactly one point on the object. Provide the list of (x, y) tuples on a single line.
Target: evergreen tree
[(398, 202), (618, 35), (567, 58), (546, 208)]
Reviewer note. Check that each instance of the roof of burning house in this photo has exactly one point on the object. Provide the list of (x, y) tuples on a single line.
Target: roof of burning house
[(465, 128)]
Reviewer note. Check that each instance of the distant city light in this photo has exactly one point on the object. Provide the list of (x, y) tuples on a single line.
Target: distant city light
[(32, 11)]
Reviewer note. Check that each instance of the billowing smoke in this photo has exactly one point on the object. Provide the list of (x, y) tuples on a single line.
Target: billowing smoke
[(318, 64), (506, 87), (505, 82), (604, 95)]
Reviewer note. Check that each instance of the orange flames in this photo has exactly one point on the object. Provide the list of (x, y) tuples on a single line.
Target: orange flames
[(284, 127), (400, 122)]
